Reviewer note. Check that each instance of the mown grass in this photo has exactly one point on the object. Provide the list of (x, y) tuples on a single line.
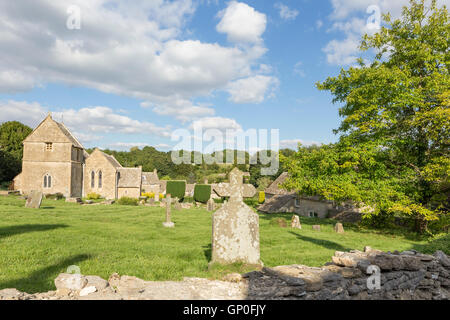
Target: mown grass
[(38, 244)]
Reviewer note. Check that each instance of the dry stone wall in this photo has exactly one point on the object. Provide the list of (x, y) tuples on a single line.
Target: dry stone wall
[(408, 275)]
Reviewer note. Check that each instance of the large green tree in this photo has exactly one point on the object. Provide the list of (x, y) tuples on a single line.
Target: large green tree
[(12, 134), (393, 152)]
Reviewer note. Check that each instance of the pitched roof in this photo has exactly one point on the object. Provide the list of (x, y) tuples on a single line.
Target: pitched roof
[(61, 127), (276, 203), (275, 187), (150, 178), (112, 160), (129, 177)]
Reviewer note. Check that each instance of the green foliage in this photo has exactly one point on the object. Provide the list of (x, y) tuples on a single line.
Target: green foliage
[(393, 153), (12, 134), (202, 192), (176, 188), (54, 196), (127, 201), (93, 196)]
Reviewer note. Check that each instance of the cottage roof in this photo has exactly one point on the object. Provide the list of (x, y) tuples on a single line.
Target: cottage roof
[(129, 177), (150, 178), (276, 203), (275, 187)]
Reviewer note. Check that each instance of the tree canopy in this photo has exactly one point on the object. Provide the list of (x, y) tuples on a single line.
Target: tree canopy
[(393, 150)]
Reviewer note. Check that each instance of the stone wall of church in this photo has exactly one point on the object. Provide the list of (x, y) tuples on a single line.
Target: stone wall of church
[(128, 192), (96, 163)]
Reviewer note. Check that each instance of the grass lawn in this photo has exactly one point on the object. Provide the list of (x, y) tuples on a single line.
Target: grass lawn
[(38, 244)]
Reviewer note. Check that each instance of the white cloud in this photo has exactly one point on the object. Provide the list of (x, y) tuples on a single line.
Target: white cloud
[(127, 48), (319, 24), (242, 23), (86, 122), (252, 89), (285, 12), (351, 18), (218, 123), (293, 143)]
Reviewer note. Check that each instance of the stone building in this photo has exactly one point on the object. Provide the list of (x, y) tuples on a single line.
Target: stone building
[(279, 200), (54, 161)]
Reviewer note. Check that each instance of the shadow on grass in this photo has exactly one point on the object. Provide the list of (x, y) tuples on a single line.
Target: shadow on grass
[(25, 228), (207, 252), (441, 243), (303, 220), (324, 243), (42, 279)]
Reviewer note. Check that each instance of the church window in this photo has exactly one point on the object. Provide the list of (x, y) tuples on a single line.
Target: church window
[(92, 179), (100, 178), (47, 181)]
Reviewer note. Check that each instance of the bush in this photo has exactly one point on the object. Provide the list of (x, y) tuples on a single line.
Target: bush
[(176, 188), (188, 199), (127, 201), (251, 202), (261, 197), (93, 196), (202, 192), (54, 196)]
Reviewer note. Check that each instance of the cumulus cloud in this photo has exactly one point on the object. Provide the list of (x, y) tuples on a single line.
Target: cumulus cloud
[(242, 23), (352, 18), (86, 122), (285, 12), (218, 123), (127, 48), (252, 89)]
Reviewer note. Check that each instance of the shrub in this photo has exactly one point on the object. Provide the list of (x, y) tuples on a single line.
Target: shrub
[(93, 196), (261, 197), (188, 199), (161, 196), (54, 196), (202, 192), (127, 201), (251, 202), (219, 200), (176, 188)]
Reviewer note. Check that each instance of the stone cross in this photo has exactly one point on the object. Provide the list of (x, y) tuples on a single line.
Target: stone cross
[(168, 223), (235, 228)]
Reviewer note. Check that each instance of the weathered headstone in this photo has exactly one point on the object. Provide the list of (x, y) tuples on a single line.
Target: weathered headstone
[(157, 197), (316, 227), (176, 204), (235, 228), (210, 205), (295, 222), (34, 200), (168, 223), (339, 228)]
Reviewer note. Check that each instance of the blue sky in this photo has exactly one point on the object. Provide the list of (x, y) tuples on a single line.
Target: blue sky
[(133, 73)]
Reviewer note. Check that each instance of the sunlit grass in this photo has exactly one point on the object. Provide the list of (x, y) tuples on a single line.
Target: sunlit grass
[(38, 244)]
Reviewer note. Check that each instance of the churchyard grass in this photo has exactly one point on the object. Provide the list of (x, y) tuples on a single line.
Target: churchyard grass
[(38, 244)]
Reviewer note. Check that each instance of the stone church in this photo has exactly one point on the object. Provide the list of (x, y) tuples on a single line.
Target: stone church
[(54, 161)]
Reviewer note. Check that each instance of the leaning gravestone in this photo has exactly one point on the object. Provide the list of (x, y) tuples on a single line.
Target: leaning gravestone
[(210, 205), (34, 200), (339, 228), (235, 228), (295, 222), (168, 223)]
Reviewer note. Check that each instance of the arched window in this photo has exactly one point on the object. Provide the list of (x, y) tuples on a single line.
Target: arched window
[(100, 176), (92, 179), (47, 181)]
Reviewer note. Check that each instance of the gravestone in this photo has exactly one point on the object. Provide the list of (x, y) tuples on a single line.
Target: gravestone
[(156, 197), (235, 228), (151, 200), (34, 200), (168, 223), (339, 228), (210, 205), (176, 204), (295, 222), (316, 227)]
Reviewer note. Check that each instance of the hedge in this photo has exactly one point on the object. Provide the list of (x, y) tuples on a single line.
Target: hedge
[(127, 201), (176, 188), (202, 192)]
